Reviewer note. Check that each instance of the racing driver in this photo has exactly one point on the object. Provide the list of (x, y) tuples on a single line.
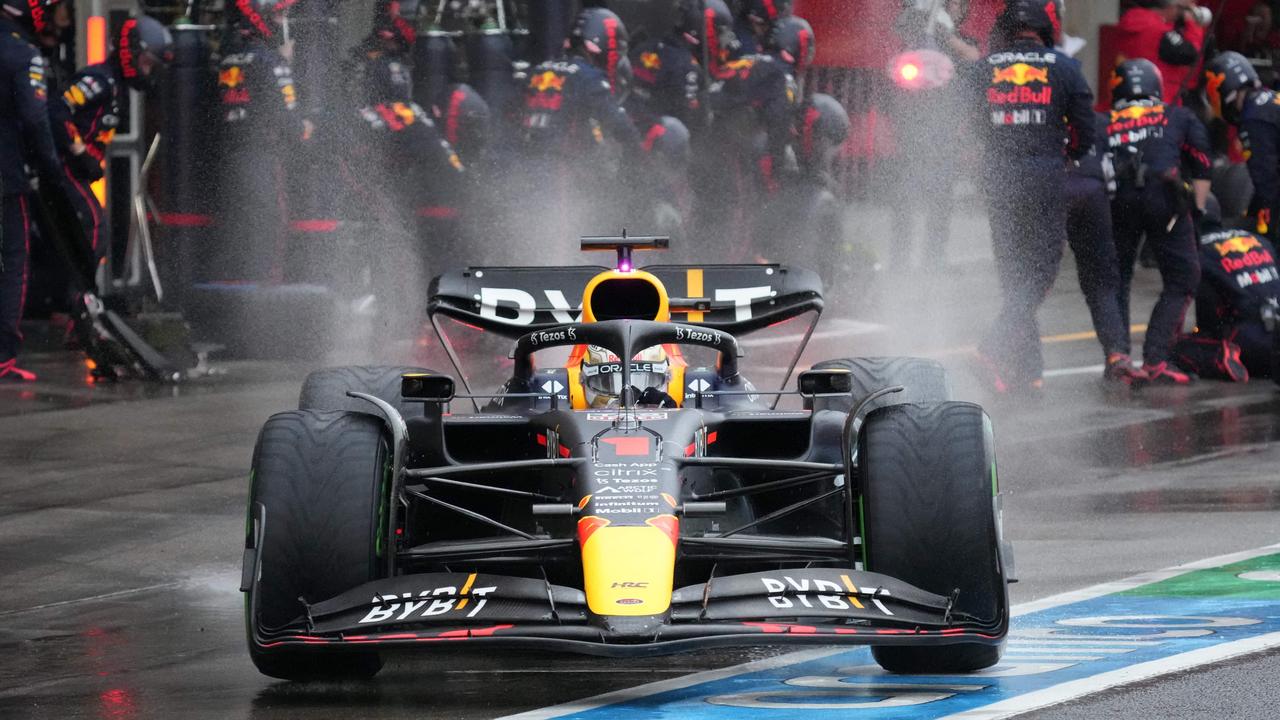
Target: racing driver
[(600, 378)]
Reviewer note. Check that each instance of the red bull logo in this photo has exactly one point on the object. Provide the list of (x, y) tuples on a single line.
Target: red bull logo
[(548, 80), (1239, 245), (1135, 112), (231, 77), (1020, 74)]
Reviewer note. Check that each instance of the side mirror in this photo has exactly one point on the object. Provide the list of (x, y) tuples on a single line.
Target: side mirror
[(426, 388), (812, 383)]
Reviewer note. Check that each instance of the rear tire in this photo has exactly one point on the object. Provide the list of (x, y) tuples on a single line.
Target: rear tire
[(326, 389), (925, 381), (928, 486), (319, 477)]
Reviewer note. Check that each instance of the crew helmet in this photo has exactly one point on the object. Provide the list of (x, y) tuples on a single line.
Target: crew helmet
[(141, 45), (1225, 77), (600, 36), (34, 15), (1136, 80), (791, 39)]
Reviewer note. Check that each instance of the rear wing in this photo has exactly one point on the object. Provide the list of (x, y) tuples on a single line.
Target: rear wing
[(736, 299)]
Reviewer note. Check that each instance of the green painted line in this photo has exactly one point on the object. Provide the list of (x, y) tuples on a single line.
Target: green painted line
[(1221, 582)]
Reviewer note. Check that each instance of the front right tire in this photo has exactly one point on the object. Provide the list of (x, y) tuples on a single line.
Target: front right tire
[(928, 477)]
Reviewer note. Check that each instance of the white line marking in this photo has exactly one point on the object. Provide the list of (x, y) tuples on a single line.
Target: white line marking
[(1084, 370), (1147, 578), (1052, 658), (1043, 650), (104, 596), (1066, 598), (1015, 639), (1124, 676)]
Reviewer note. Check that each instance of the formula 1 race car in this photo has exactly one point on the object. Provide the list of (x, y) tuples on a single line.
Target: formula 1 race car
[(631, 499)]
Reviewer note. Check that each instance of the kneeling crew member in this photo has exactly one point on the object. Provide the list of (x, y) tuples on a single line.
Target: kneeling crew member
[(1151, 143), (1235, 306)]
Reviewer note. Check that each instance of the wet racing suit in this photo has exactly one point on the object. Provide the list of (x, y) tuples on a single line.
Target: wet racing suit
[(569, 107), (1157, 149), (25, 139), (1037, 114), (668, 82), (260, 122), (401, 161), (570, 116), (1240, 287), (748, 150), (664, 103), (1260, 136), (89, 112), (1092, 242)]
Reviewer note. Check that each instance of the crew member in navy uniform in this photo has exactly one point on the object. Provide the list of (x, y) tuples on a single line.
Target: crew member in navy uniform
[(1038, 115), (1236, 304), (570, 103), (668, 77), (1161, 156), (752, 97), (1234, 93), (400, 164), (666, 101), (756, 21), (25, 141), (1090, 181), (574, 126), (260, 123), (89, 112)]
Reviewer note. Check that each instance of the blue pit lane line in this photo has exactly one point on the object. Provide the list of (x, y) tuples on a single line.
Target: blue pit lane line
[(1060, 648)]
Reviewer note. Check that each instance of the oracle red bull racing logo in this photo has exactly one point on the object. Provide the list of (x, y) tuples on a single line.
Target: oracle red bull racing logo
[(1020, 74), (1022, 84), (1239, 244)]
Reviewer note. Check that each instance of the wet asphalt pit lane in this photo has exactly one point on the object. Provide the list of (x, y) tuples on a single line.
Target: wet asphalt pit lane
[(1182, 500), (1179, 438)]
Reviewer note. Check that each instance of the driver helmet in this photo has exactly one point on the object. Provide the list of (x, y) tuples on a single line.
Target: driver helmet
[(601, 374)]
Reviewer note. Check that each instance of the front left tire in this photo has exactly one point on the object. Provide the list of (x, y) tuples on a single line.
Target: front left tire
[(319, 482)]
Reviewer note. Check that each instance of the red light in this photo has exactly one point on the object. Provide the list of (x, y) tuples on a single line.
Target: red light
[(921, 69)]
